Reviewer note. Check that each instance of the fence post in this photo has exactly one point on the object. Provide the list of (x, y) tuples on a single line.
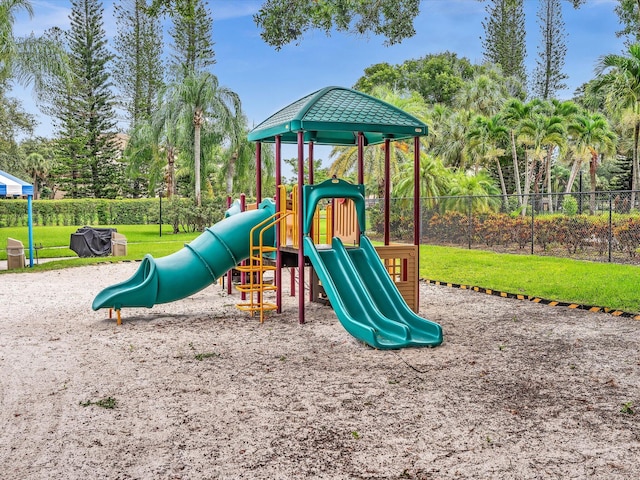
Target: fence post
[(532, 201), (610, 224), (469, 221)]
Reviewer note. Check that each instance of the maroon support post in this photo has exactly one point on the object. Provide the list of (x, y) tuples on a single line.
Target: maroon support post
[(360, 157), (300, 228), (387, 190), (278, 273), (311, 299), (243, 275), (258, 173), (230, 272), (360, 170), (416, 191), (416, 204)]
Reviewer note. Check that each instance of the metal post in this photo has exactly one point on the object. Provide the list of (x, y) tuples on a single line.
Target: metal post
[(360, 170), (160, 213), (243, 275), (278, 273), (417, 213), (610, 224), (532, 200), (360, 157), (580, 194), (30, 224), (387, 190), (258, 174), (470, 199), (230, 271), (311, 289), (301, 207)]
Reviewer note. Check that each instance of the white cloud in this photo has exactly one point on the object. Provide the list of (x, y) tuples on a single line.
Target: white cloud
[(47, 14), (222, 10)]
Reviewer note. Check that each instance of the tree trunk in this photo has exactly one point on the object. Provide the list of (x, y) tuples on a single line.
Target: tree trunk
[(593, 166), (197, 123), (527, 183), (516, 170), (231, 171), (575, 168), (35, 186), (505, 199), (171, 172)]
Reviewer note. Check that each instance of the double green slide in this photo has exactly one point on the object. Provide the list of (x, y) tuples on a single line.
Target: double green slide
[(362, 294)]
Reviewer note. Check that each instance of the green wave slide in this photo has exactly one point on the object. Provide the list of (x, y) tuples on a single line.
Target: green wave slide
[(189, 270), (365, 299)]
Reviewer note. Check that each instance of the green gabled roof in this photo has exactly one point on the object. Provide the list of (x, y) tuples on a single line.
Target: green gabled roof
[(334, 116)]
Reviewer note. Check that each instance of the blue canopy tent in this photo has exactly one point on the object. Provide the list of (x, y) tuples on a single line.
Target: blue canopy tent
[(11, 186)]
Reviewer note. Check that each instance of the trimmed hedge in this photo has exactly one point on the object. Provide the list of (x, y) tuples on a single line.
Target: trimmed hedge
[(181, 213)]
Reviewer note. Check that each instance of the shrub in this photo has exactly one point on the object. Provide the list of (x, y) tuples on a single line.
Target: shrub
[(452, 227), (628, 235), (572, 232), (495, 229), (569, 206)]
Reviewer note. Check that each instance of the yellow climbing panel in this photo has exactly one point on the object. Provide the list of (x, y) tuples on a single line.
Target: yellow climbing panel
[(255, 268)]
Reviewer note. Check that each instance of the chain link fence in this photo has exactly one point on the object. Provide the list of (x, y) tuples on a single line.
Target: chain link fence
[(599, 226)]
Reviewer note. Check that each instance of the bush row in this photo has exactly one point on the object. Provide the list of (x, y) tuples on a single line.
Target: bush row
[(573, 233), (181, 213)]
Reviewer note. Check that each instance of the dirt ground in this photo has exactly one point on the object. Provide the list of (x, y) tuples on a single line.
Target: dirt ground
[(517, 390)]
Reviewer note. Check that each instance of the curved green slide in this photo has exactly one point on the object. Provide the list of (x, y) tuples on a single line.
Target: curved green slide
[(366, 300), (200, 263)]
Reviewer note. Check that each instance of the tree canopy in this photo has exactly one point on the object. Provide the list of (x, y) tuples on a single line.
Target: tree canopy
[(283, 22)]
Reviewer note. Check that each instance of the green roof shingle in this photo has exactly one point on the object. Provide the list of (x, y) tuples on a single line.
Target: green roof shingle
[(334, 116)]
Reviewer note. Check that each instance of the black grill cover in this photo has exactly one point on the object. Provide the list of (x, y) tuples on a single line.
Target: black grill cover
[(92, 242)]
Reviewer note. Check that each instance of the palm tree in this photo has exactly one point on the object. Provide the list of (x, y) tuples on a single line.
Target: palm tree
[(485, 139), (566, 110), (434, 179), (346, 160), (593, 136), (144, 156), (619, 78), (540, 133), (478, 187), (483, 95), (200, 100), (452, 142), (152, 150), (27, 59), (514, 113), (38, 167)]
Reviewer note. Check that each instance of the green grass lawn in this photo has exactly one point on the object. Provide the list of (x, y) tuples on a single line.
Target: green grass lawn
[(141, 239), (590, 283)]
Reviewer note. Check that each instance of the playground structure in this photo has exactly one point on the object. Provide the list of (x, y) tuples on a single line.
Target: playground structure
[(362, 288)]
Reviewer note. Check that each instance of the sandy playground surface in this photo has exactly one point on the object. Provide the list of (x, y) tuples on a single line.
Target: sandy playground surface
[(517, 390)]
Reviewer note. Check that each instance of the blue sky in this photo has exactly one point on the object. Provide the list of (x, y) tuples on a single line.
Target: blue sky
[(268, 80)]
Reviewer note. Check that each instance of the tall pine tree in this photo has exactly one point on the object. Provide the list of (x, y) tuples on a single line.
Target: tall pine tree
[(548, 76), (629, 13), (191, 34), (87, 119), (504, 43), (138, 65)]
